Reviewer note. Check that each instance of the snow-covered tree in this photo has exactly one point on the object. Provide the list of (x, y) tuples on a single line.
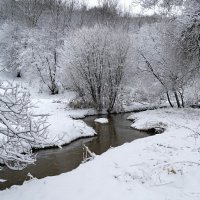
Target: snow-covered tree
[(164, 58), (12, 47), (31, 10), (20, 129), (99, 57), (28, 49), (164, 5), (190, 32)]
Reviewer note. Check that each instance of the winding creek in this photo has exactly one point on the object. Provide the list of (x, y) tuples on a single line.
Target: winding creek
[(55, 161)]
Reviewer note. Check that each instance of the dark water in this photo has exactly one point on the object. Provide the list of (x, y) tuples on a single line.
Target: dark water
[(56, 161)]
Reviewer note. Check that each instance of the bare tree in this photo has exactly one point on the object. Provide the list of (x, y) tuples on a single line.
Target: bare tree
[(43, 57), (98, 62), (61, 14), (12, 46), (158, 78), (190, 33), (31, 9), (40, 50), (165, 57), (167, 5), (49, 74)]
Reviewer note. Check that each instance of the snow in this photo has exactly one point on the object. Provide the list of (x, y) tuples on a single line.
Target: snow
[(63, 129), (81, 113), (101, 120), (167, 119), (161, 167), (137, 107)]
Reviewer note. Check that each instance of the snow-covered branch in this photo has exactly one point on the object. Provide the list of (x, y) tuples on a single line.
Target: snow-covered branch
[(20, 130)]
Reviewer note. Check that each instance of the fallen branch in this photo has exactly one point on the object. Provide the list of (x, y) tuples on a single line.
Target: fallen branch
[(87, 154)]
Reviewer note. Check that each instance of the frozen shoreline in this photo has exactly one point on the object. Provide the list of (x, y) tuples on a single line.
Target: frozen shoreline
[(62, 128)]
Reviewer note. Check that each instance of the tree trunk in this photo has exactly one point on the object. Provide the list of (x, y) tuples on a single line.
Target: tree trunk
[(177, 99), (182, 99), (168, 98), (19, 74)]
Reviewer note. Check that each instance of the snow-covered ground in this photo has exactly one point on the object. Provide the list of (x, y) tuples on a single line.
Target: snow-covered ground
[(81, 113), (160, 167), (101, 120), (63, 129)]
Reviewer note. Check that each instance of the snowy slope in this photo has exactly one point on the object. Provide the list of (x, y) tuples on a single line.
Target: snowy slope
[(161, 167)]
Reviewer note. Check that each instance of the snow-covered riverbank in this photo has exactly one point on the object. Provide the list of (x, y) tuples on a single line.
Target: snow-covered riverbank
[(165, 166), (63, 129)]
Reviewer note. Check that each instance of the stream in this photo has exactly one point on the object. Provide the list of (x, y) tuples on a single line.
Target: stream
[(52, 162)]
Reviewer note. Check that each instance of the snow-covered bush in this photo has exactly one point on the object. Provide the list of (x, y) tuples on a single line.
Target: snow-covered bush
[(97, 64), (20, 130), (12, 47)]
